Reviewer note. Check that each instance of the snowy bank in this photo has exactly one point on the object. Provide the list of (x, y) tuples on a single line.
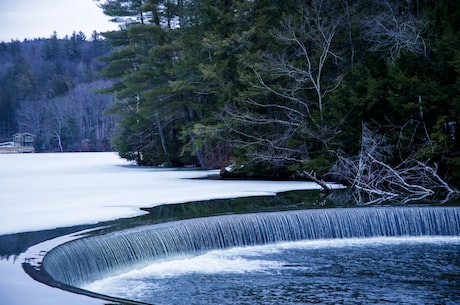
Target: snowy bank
[(45, 191)]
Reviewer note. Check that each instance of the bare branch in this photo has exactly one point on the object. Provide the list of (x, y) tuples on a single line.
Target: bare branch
[(312, 175), (310, 39), (372, 180), (395, 29)]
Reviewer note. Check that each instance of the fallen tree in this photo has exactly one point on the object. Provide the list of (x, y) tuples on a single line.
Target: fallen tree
[(373, 180)]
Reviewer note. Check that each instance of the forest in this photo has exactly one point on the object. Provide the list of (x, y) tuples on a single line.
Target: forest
[(363, 92), (48, 87)]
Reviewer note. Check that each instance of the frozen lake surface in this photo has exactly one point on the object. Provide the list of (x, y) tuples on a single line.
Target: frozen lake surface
[(45, 191)]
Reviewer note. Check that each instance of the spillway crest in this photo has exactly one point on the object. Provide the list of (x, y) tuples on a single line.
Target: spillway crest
[(85, 260)]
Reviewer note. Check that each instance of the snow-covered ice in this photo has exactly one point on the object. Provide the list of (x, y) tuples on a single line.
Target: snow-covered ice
[(45, 191)]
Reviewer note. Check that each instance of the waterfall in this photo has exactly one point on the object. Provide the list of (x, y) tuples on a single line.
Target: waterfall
[(85, 260)]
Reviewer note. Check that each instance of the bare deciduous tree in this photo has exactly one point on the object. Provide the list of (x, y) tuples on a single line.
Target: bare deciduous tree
[(63, 122), (309, 40), (395, 28), (30, 116), (274, 128)]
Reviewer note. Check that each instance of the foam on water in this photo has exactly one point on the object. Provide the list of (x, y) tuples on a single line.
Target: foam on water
[(215, 262), (239, 260)]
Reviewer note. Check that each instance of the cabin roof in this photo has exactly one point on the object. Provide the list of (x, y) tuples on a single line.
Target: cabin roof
[(24, 134)]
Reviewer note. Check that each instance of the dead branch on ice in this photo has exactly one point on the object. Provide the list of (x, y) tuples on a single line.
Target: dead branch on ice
[(312, 176)]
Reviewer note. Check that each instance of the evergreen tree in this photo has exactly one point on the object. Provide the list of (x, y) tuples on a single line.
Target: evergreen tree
[(281, 84)]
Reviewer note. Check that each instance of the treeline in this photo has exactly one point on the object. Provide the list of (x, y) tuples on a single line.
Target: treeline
[(281, 88), (48, 87)]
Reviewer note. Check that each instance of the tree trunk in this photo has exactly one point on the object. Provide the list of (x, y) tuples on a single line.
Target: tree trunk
[(162, 137)]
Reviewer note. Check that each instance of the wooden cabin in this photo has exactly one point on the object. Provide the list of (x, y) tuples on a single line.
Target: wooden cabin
[(24, 139)]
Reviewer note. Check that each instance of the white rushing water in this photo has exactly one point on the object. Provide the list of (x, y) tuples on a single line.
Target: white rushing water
[(304, 263), (45, 191), (248, 259), (86, 260)]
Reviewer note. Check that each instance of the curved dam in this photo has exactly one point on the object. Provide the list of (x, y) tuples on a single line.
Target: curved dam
[(85, 260)]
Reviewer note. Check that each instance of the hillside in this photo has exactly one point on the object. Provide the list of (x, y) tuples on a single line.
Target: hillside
[(48, 88)]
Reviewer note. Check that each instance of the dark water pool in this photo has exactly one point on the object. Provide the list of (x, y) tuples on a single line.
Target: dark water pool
[(400, 270)]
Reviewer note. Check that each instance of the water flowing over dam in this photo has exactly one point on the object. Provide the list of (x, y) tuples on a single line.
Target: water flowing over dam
[(88, 259)]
